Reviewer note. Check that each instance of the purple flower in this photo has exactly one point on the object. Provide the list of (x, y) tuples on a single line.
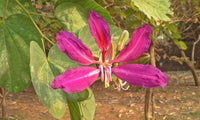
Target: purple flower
[(76, 80)]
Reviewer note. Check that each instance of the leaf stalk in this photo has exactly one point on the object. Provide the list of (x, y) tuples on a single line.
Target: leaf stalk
[(29, 15)]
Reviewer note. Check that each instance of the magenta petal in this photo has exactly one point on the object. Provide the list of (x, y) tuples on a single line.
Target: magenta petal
[(74, 48), (138, 44), (76, 80), (145, 76), (100, 30)]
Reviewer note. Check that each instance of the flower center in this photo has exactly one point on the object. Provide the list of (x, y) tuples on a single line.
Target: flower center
[(106, 73)]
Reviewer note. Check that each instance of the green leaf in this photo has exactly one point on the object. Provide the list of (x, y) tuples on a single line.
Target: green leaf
[(9, 7), (79, 96), (59, 61), (176, 35), (171, 27), (181, 44), (42, 77), (74, 13), (15, 37), (84, 109), (143, 59), (158, 9), (174, 30), (90, 42)]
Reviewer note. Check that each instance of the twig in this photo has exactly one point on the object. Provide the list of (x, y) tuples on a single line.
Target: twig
[(188, 63), (193, 48), (38, 14), (42, 35), (187, 28)]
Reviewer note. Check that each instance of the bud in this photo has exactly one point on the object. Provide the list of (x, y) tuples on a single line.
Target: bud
[(122, 40)]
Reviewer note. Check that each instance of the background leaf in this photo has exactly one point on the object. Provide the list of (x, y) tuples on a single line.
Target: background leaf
[(158, 9), (42, 77), (9, 7), (181, 44), (174, 30), (74, 13), (15, 37), (59, 61)]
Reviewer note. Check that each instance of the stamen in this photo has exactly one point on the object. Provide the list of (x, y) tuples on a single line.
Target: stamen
[(108, 77), (102, 73), (123, 86), (109, 74), (124, 83), (117, 83), (106, 81), (107, 85)]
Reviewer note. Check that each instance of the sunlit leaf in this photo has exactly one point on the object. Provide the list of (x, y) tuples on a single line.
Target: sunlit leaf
[(15, 37), (181, 44), (158, 9), (42, 77)]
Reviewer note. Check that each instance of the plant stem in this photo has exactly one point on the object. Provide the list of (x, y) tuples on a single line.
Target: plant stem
[(43, 45), (3, 104), (149, 103), (42, 35), (193, 48), (192, 68), (189, 63)]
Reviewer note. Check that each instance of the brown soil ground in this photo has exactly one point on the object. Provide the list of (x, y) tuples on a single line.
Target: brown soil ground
[(180, 100)]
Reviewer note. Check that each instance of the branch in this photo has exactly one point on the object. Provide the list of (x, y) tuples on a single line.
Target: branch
[(193, 48), (29, 15)]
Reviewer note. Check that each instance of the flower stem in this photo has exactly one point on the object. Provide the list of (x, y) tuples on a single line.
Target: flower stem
[(149, 100), (3, 103), (42, 35)]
